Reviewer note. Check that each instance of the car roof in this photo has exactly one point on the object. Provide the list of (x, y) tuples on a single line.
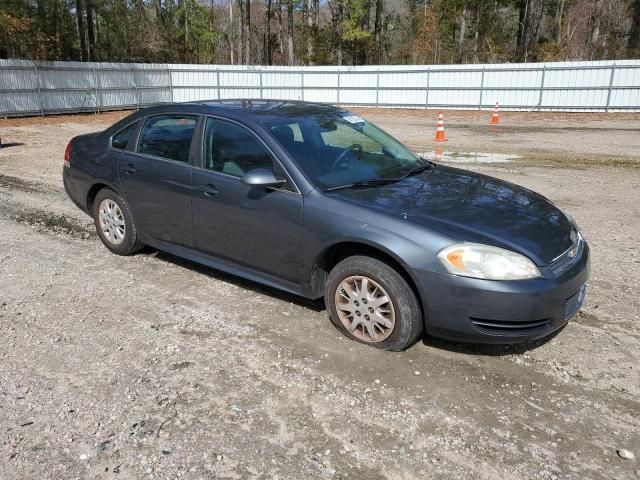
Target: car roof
[(258, 111), (265, 109)]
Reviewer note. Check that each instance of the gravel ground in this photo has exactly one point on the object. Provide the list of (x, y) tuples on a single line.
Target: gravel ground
[(153, 367), (568, 138)]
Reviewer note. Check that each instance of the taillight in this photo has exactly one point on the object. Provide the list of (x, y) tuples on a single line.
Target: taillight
[(67, 155)]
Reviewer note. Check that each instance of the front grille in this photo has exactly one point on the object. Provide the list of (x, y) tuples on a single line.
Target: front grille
[(506, 327), (566, 260), (573, 303)]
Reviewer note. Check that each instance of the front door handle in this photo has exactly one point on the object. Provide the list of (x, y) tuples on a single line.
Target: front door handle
[(208, 190), (129, 168)]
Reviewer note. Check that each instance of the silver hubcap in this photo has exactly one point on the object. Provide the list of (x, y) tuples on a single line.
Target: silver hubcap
[(111, 221), (365, 309)]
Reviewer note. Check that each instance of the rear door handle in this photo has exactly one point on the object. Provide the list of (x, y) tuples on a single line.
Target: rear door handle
[(129, 168), (208, 190)]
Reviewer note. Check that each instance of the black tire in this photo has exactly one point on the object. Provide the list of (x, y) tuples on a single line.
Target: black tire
[(408, 326), (130, 243)]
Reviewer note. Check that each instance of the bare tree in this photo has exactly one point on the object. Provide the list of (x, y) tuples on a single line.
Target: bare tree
[(377, 26), (230, 34), (290, 49), (634, 37), (267, 55), (530, 16), (476, 34), (280, 30), (247, 33), (240, 30), (312, 19), (462, 31), (594, 34), (558, 20), (91, 32), (337, 15), (81, 33)]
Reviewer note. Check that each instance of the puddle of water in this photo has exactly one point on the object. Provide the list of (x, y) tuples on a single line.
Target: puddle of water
[(439, 155)]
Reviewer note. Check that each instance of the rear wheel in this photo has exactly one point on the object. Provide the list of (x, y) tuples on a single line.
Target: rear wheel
[(370, 302), (114, 223)]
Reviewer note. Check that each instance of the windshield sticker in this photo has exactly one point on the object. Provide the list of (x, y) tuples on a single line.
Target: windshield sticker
[(353, 119)]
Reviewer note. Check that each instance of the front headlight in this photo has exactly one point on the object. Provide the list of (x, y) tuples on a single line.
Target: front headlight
[(484, 261)]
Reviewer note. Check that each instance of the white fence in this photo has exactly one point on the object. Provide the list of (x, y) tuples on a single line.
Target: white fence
[(39, 88)]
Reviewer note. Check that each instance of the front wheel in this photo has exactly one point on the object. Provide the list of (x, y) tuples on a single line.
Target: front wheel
[(114, 223), (370, 302)]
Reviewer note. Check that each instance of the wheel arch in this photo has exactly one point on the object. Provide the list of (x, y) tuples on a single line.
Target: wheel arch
[(338, 251), (93, 191)]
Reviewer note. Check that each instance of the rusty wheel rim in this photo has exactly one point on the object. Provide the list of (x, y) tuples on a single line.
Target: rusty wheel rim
[(365, 309)]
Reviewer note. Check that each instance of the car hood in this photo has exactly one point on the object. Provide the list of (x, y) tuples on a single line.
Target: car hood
[(473, 208)]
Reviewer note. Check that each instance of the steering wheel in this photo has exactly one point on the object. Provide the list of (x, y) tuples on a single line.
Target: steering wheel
[(356, 147)]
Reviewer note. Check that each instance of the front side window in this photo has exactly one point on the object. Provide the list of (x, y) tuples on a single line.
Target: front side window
[(121, 139), (231, 149), (342, 148), (168, 136)]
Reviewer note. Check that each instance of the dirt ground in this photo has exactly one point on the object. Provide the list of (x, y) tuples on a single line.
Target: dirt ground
[(153, 367)]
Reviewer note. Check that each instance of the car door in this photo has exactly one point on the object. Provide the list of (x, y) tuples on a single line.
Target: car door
[(256, 227), (156, 176)]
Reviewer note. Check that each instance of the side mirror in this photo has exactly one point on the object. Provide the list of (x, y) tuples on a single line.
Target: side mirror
[(262, 177)]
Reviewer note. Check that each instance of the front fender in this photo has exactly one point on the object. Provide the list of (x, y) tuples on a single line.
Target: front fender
[(329, 221)]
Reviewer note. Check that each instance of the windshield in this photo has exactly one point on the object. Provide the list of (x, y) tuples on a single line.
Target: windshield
[(341, 149)]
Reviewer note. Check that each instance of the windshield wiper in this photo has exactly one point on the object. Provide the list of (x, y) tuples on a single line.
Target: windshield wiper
[(421, 166), (365, 183)]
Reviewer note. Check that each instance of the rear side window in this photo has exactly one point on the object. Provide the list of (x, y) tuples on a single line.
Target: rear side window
[(168, 136), (121, 139)]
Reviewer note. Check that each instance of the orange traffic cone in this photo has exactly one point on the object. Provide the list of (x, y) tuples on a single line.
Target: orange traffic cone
[(440, 129), (495, 118), (437, 154)]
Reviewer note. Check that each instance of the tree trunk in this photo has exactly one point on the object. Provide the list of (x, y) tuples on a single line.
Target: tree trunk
[(338, 22), (268, 39), (476, 34), (240, 30), (311, 19), (185, 45), (280, 31), (56, 29), (634, 37), (91, 32), (462, 20), (290, 32), (594, 35), (247, 34), (81, 33), (107, 28), (529, 22), (559, 18), (367, 16), (230, 35), (377, 26)]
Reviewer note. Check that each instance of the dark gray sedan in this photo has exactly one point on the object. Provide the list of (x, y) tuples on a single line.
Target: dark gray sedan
[(317, 201)]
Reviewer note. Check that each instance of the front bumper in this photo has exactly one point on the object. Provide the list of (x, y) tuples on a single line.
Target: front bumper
[(489, 311)]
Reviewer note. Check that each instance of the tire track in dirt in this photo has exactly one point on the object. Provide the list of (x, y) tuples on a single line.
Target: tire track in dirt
[(19, 206)]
